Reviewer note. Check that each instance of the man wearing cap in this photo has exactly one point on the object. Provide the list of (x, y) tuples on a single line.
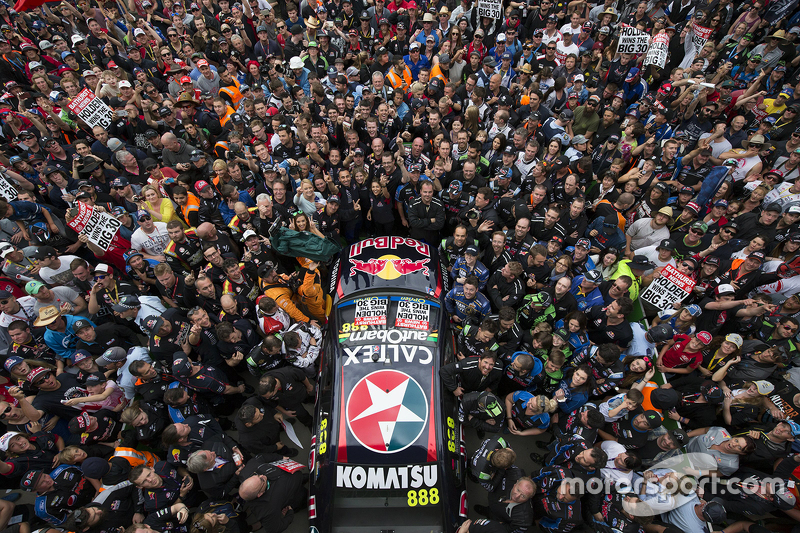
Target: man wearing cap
[(631, 430), (647, 231), (695, 514), (65, 298), (663, 447), (604, 233), (54, 269), (58, 493), (585, 289), (724, 307)]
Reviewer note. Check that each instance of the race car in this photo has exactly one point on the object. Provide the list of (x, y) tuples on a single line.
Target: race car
[(388, 450)]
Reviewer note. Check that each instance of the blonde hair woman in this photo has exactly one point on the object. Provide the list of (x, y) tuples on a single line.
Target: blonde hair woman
[(308, 199), (527, 414), (160, 208), (471, 121)]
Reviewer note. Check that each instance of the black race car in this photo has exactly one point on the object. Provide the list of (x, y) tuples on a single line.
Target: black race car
[(388, 453)]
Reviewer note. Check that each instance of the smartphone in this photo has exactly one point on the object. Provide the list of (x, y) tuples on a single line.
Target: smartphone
[(122, 113)]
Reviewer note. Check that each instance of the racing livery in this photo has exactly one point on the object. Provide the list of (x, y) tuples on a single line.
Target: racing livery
[(388, 446)]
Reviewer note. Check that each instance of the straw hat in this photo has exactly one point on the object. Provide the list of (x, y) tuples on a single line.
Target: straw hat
[(47, 315)]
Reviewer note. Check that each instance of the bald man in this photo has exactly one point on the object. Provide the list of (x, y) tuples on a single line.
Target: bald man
[(176, 153), (271, 495), (209, 233)]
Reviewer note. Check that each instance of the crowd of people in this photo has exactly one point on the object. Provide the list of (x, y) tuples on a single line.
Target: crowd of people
[(149, 373)]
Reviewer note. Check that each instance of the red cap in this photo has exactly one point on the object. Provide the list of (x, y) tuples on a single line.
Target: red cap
[(111, 64), (272, 111), (705, 337), (202, 63), (186, 79), (36, 372), (201, 185)]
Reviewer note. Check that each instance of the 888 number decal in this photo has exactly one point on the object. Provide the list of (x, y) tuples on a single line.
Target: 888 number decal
[(423, 497)]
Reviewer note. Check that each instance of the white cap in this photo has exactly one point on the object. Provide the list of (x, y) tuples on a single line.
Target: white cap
[(138, 31), (125, 83), (102, 267), (501, 37), (5, 250), (77, 38), (6, 438), (296, 62), (89, 73), (34, 64), (249, 233), (578, 77)]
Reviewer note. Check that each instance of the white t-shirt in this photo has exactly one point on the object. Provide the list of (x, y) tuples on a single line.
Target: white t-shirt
[(651, 253), (151, 243), (61, 275), (25, 313)]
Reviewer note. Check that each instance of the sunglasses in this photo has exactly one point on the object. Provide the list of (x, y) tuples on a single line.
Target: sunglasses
[(42, 380), (146, 217), (5, 412), (4, 302), (551, 47), (280, 27), (98, 278), (697, 232), (688, 265), (612, 142)]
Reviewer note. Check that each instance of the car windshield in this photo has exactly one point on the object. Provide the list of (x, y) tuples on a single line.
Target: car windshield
[(401, 325)]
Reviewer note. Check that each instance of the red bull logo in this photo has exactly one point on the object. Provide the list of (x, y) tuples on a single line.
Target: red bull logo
[(388, 266)]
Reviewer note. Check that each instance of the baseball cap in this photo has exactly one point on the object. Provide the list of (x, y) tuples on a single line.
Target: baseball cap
[(471, 250), (6, 439), (11, 362), (704, 337), (181, 365), (660, 333), (79, 423), (764, 387), (714, 511), (125, 303), (152, 324), (584, 243), (593, 276), (30, 480), (653, 418), (679, 437), (114, 354), (667, 244), (80, 324)]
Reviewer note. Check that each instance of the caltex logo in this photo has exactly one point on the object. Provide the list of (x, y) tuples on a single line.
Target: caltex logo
[(387, 411)]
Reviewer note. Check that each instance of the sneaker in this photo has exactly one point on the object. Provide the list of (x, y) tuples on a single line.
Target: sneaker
[(481, 510), (536, 458)]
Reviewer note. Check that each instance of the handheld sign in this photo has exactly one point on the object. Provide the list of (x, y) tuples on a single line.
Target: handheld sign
[(492, 9), (670, 287), (632, 41), (92, 110)]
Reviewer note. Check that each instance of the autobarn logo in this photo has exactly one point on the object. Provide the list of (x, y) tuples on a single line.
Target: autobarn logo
[(393, 336), (387, 411), (390, 477)]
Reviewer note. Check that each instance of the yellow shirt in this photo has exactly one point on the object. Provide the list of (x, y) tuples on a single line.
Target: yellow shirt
[(772, 108)]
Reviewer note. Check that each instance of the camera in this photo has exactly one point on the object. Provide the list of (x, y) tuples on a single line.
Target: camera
[(279, 69), (473, 214), (136, 199)]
